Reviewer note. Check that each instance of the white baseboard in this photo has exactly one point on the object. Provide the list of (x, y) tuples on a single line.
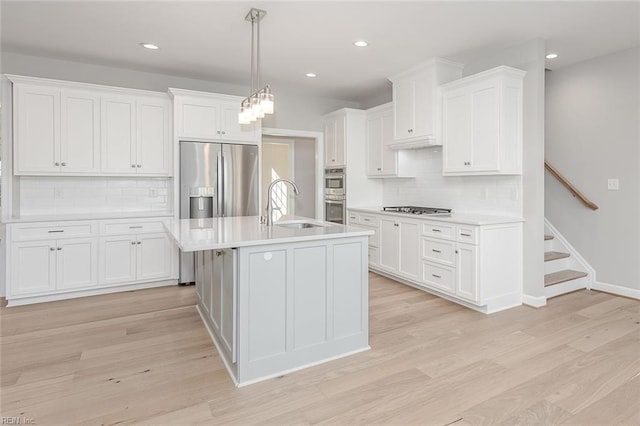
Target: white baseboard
[(619, 290), (84, 293), (534, 301)]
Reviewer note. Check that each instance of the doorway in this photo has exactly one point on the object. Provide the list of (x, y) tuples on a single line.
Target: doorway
[(292, 158)]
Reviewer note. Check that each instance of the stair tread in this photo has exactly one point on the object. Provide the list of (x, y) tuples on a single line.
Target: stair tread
[(548, 237), (554, 255), (562, 276)]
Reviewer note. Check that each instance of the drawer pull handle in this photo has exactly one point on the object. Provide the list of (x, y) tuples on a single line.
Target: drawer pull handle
[(436, 230), (136, 227), (465, 235), (367, 220), (436, 251), (133, 243), (55, 231), (52, 249), (139, 242), (437, 276), (59, 248)]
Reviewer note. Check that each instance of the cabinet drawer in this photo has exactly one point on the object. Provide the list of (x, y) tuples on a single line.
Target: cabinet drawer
[(53, 230), (374, 240), (368, 220), (439, 277), (438, 251), (467, 234), (438, 230), (373, 256), (130, 227), (352, 218)]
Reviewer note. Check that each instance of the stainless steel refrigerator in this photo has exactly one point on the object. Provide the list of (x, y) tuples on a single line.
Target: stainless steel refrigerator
[(216, 180)]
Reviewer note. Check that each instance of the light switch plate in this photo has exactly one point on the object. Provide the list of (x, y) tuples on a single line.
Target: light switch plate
[(613, 184), (58, 193), (153, 192)]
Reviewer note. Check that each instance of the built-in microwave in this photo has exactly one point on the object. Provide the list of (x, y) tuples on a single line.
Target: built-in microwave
[(334, 181)]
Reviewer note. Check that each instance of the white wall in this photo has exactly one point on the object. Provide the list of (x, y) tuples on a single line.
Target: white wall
[(78, 195), (592, 134), (478, 194), (292, 110), (305, 176)]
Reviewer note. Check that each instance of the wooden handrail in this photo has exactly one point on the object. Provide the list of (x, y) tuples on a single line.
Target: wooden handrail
[(565, 182)]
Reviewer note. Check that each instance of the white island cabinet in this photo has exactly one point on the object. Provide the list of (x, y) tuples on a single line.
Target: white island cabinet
[(278, 299)]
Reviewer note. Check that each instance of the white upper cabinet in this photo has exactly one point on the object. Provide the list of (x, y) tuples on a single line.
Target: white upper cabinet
[(381, 160), (153, 147), (416, 105), (36, 130), (75, 129), (482, 123), (80, 132), (210, 116), (335, 129), (118, 135)]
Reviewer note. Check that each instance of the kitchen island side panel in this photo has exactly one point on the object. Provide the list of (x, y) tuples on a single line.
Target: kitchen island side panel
[(300, 304)]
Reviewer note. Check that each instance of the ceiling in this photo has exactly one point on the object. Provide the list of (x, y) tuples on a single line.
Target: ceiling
[(211, 40)]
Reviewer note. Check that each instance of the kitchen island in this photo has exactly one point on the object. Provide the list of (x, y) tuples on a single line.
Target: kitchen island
[(278, 298)]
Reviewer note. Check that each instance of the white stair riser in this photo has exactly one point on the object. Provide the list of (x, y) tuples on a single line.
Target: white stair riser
[(559, 265), (567, 287)]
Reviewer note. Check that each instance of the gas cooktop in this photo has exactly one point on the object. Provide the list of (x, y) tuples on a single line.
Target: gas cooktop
[(431, 211)]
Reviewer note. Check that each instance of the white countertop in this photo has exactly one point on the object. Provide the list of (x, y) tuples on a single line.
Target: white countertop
[(464, 218), (246, 231), (86, 216)]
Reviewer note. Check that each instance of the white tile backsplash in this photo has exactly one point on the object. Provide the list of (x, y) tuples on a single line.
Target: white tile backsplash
[(498, 195), (72, 195)]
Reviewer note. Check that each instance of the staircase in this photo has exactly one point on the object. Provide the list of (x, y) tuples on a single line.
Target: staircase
[(565, 270)]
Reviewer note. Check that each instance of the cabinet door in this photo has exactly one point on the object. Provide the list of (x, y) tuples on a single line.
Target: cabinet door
[(37, 131), (423, 106), (389, 157), (118, 135), (403, 107), (341, 141), (457, 132), (485, 128), (231, 130), (330, 143), (409, 263), (374, 145), (80, 132), (153, 150), (199, 267), (117, 260), (467, 273), (228, 303), (389, 244), (33, 268), (215, 312), (198, 119), (77, 263), (154, 257)]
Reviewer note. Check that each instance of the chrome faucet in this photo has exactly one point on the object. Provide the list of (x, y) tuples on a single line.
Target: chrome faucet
[(296, 191)]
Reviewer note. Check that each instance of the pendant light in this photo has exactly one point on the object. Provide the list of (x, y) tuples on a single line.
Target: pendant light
[(260, 102)]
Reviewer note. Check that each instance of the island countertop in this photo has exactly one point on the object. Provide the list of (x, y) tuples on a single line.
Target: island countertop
[(245, 231)]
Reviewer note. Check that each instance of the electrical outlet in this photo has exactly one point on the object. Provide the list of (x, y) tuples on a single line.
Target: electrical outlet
[(58, 193), (613, 184), (153, 192)]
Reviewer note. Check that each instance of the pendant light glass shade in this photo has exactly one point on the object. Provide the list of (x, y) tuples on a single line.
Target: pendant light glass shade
[(259, 102)]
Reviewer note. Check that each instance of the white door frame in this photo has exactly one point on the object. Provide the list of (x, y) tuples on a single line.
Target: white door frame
[(319, 137)]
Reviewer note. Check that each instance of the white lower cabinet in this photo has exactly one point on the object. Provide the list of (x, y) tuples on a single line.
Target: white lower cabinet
[(48, 261), (135, 258), (399, 246), (479, 266), (48, 266)]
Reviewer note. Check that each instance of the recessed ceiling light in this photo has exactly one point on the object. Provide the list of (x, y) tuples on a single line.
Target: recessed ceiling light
[(361, 43), (552, 56), (149, 46), (311, 74)]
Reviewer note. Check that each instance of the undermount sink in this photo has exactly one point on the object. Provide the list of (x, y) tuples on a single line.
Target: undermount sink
[(298, 225)]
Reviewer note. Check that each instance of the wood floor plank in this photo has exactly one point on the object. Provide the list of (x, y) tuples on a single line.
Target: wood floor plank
[(144, 357)]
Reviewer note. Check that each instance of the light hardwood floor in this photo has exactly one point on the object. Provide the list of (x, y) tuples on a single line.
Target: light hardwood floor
[(144, 357)]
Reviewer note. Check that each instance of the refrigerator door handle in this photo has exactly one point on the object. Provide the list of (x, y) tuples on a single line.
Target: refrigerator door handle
[(220, 184)]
